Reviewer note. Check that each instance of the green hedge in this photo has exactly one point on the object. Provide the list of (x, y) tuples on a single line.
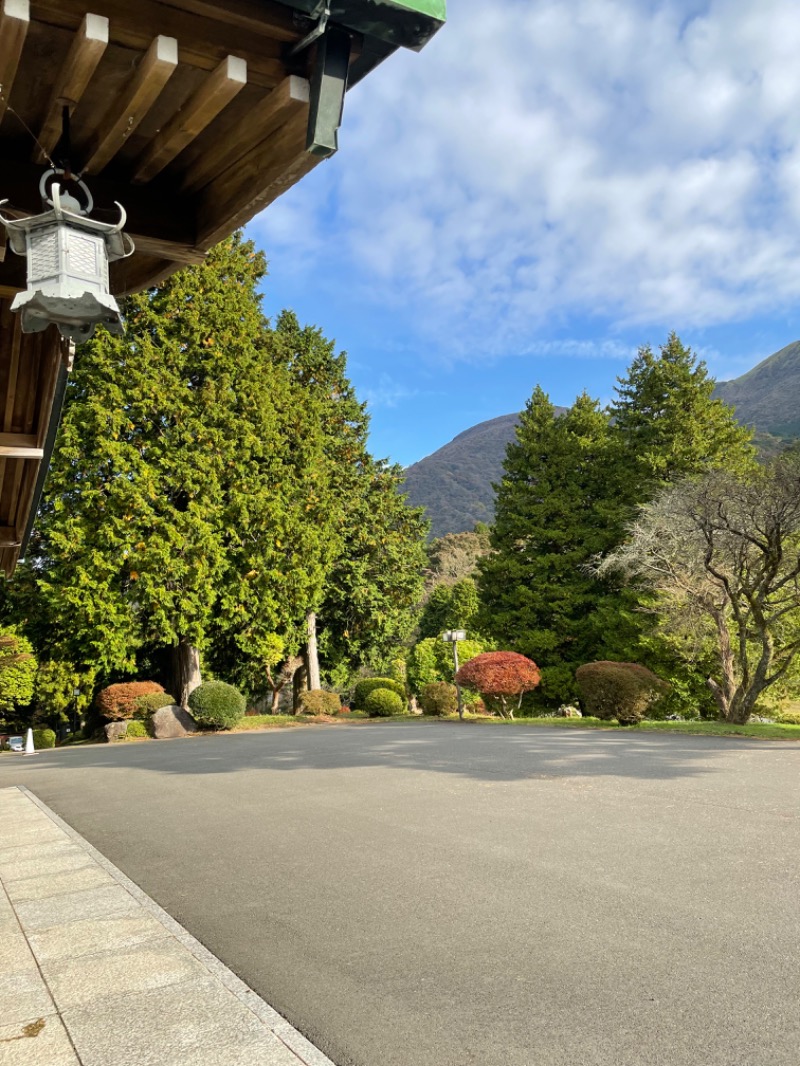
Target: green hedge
[(152, 702), (137, 729), (439, 699), (44, 738), (624, 691), (369, 684), (217, 705), (383, 703), (318, 701)]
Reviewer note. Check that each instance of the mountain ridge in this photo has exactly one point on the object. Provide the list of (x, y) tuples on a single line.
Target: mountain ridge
[(454, 483)]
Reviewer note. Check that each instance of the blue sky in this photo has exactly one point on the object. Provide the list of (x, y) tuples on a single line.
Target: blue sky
[(545, 187)]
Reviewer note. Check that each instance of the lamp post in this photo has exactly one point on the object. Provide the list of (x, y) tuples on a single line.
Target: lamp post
[(453, 636)]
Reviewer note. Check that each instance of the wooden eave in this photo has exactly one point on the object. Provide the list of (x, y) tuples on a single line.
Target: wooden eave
[(194, 115)]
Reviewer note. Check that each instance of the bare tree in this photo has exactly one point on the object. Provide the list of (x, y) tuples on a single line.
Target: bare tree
[(723, 554)]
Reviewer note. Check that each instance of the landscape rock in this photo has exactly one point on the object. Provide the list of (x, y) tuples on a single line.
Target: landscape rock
[(172, 721), (116, 730)]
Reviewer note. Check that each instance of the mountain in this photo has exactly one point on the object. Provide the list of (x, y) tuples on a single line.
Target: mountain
[(455, 482), (768, 396)]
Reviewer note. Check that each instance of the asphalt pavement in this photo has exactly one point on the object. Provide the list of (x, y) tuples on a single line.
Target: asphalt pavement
[(439, 894)]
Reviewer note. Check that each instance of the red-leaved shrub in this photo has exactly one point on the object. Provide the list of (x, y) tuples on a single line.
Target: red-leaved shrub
[(499, 676), (118, 702)]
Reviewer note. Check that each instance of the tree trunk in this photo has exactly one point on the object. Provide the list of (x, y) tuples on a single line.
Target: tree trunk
[(285, 675), (312, 655), (186, 670), (299, 685)]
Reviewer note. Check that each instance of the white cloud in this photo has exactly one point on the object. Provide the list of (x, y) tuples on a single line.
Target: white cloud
[(541, 159)]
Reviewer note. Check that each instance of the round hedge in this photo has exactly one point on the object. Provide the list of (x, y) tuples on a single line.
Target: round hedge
[(217, 705), (137, 729), (152, 702), (120, 702), (369, 684), (624, 691), (44, 738), (383, 703), (319, 701), (439, 699)]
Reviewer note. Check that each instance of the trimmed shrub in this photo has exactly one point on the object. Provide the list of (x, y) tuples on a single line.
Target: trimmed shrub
[(44, 738), (383, 703), (152, 702), (319, 701), (118, 702), (499, 676), (787, 717), (623, 691), (137, 728), (370, 684), (439, 699), (217, 705)]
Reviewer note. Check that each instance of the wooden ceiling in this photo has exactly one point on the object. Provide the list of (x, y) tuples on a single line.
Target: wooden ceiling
[(194, 115)]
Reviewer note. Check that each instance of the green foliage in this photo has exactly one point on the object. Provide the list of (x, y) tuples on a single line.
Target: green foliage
[(669, 426), (151, 702), (625, 691), (383, 703), (370, 684), (17, 671), (439, 699), (449, 607), (122, 701), (44, 738), (318, 701), (62, 689), (558, 505), (136, 729), (431, 660), (217, 704)]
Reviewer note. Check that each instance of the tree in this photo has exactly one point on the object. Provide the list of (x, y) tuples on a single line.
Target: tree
[(499, 676), (669, 426), (455, 556), (431, 660), (558, 505), (721, 557), (17, 671), (450, 607), (173, 504)]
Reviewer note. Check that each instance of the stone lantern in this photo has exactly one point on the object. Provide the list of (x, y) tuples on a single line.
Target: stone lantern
[(68, 256)]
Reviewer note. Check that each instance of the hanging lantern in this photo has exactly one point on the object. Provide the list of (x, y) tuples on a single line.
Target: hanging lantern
[(68, 256)]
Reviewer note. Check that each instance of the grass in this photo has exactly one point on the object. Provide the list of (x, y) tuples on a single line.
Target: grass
[(286, 721), (771, 731)]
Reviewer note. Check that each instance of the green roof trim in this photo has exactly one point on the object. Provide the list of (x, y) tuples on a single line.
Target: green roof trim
[(402, 23)]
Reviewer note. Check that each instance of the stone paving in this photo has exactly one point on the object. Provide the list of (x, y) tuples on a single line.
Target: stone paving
[(94, 973)]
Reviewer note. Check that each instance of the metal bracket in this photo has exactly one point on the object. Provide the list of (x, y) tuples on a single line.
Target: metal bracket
[(328, 86)]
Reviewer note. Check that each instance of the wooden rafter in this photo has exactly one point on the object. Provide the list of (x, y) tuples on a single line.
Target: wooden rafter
[(86, 51), (259, 123), (214, 94), (266, 171), (15, 19), (124, 116)]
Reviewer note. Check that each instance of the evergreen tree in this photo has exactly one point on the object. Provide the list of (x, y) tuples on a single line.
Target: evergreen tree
[(557, 507), (450, 607), (668, 425)]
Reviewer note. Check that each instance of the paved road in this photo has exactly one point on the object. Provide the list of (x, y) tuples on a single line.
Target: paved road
[(429, 894)]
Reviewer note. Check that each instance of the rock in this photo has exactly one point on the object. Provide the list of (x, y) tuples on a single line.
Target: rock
[(172, 721), (116, 730)]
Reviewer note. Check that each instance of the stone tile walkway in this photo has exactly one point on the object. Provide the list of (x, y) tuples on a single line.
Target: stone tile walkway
[(94, 973)]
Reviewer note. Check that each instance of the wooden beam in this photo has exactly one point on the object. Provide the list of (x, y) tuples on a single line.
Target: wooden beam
[(15, 18), (255, 16), (8, 537), (205, 41), (200, 109), (13, 372), (14, 451), (177, 252), (264, 174), (285, 100), (18, 440), (86, 51), (124, 116)]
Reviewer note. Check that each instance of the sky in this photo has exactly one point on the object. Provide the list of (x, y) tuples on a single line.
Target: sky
[(544, 188)]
